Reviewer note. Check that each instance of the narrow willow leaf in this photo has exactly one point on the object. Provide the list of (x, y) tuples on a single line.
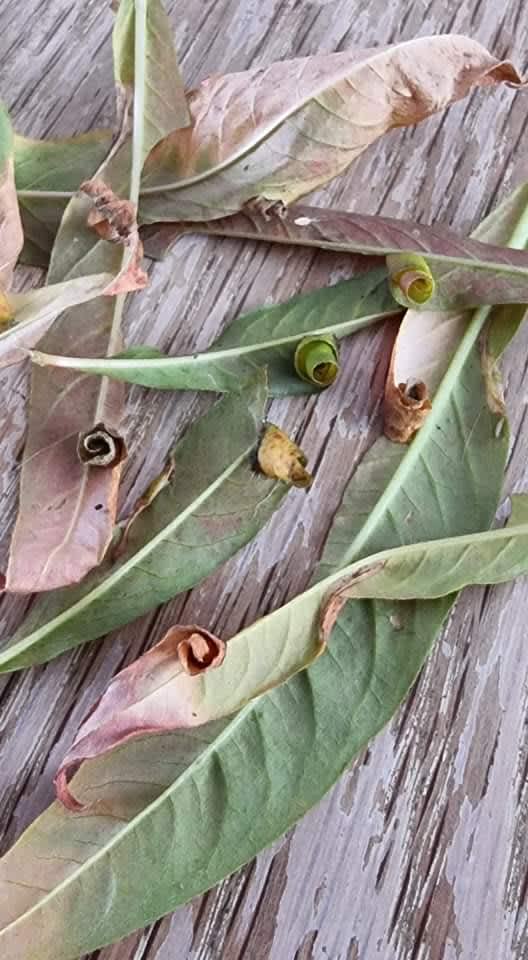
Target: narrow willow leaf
[(158, 693), (215, 504), (47, 173), (67, 507), (266, 337), (257, 774), (275, 134), (466, 273), (11, 236)]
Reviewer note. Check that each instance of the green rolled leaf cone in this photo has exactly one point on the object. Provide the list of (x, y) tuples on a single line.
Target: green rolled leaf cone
[(411, 281), (316, 360)]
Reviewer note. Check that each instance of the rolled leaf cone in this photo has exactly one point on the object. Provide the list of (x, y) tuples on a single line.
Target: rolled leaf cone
[(316, 360), (411, 280)]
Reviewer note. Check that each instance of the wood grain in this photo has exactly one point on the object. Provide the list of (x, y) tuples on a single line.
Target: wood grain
[(421, 851)]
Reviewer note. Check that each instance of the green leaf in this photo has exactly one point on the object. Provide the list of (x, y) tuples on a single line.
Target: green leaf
[(47, 173), (158, 693), (215, 504), (265, 337), (254, 776)]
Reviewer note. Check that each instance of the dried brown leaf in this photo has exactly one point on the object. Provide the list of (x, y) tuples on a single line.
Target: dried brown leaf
[(405, 407)]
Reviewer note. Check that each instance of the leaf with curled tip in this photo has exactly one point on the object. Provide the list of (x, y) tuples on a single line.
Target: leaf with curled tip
[(139, 767), (68, 503), (143, 699), (273, 134), (209, 505), (268, 337), (436, 268), (278, 132), (427, 341)]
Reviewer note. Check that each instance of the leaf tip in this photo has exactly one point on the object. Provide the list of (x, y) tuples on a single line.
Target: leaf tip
[(197, 649)]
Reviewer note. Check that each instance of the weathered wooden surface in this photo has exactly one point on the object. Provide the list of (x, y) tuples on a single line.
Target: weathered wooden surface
[(421, 851)]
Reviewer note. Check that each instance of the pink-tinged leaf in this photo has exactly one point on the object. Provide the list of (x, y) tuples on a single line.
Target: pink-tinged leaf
[(11, 235), (466, 272), (278, 132), (67, 507), (152, 695), (68, 501)]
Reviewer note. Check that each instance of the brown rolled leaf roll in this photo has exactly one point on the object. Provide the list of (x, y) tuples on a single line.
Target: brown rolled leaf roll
[(101, 447), (405, 407)]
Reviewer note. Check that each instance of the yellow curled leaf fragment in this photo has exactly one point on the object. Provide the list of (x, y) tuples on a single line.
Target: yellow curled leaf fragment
[(6, 311), (316, 360), (281, 458), (410, 279)]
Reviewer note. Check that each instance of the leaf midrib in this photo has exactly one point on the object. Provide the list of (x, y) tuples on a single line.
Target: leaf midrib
[(153, 363)]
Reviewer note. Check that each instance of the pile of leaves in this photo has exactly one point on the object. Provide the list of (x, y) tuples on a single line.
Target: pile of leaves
[(286, 703)]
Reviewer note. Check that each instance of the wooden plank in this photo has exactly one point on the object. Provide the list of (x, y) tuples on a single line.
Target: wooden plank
[(420, 852)]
